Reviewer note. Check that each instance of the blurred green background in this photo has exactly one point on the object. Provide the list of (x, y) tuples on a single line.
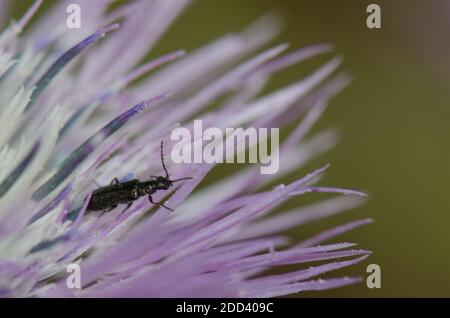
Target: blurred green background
[(393, 119)]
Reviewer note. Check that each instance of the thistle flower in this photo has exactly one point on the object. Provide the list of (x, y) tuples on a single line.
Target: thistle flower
[(67, 122)]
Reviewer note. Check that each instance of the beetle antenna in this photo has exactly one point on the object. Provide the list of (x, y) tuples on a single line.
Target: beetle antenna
[(162, 161), (186, 178)]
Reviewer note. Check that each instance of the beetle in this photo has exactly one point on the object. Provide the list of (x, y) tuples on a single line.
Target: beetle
[(108, 197)]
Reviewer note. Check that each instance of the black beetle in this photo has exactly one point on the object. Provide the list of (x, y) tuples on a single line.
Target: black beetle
[(108, 197)]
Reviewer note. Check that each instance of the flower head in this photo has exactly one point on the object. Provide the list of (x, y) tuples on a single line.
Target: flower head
[(71, 117)]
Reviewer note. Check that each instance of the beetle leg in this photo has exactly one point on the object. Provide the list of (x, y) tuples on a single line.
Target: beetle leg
[(114, 181), (111, 208), (107, 210), (159, 204), (128, 206)]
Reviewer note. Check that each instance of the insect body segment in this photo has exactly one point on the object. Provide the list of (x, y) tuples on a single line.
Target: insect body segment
[(107, 198)]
